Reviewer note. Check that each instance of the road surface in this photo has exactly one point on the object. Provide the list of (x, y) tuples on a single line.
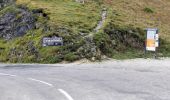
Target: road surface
[(110, 80)]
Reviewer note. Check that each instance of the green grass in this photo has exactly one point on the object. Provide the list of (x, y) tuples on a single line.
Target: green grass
[(68, 18), (67, 13), (140, 14), (148, 10), (131, 12)]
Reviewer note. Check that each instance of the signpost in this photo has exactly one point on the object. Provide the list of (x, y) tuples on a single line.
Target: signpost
[(152, 41), (157, 40), (52, 41)]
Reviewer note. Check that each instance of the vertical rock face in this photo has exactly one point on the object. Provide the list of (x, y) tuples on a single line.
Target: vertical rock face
[(16, 24), (16, 21), (4, 3)]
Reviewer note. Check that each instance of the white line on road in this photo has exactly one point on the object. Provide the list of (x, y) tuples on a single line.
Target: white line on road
[(7, 75), (65, 94), (43, 82)]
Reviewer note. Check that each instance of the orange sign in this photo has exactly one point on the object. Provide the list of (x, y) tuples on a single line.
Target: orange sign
[(152, 37), (150, 43)]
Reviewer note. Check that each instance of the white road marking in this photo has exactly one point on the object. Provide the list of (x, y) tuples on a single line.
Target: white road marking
[(65, 94), (43, 82), (7, 75)]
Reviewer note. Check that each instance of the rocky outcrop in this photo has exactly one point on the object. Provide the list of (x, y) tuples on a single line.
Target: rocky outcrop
[(17, 20), (4, 3), (14, 24)]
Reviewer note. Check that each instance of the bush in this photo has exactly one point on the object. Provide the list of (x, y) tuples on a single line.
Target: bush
[(148, 10), (71, 57), (52, 59), (103, 42)]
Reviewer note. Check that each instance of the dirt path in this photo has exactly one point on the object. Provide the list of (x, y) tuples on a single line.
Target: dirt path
[(101, 22)]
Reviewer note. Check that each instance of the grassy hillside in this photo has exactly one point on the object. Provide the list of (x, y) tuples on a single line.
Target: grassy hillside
[(143, 14), (122, 35), (64, 18), (67, 13)]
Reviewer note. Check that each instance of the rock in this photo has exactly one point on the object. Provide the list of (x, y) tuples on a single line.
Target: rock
[(16, 24), (80, 1), (93, 59), (4, 3), (21, 30), (88, 49)]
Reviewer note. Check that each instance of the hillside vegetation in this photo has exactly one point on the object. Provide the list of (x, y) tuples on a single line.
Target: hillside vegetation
[(67, 13), (122, 35), (143, 14)]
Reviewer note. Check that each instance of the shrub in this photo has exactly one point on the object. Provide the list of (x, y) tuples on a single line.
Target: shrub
[(71, 57), (148, 10), (103, 42), (52, 59)]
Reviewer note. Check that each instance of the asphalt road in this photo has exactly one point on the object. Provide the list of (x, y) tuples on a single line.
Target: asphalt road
[(111, 80)]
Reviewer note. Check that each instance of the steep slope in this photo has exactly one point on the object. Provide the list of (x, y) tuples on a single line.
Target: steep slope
[(120, 35), (67, 19), (67, 13), (16, 22), (143, 13)]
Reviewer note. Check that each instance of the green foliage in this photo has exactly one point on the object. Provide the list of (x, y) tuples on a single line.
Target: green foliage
[(130, 53), (103, 42), (164, 48), (65, 18), (71, 57), (67, 13), (52, 59), (9, 9), (119, 39), (148, 10), (120, 42)]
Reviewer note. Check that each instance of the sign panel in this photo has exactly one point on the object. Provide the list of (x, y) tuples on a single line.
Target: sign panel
[(157, 40), (152, 39), (52, 41)]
